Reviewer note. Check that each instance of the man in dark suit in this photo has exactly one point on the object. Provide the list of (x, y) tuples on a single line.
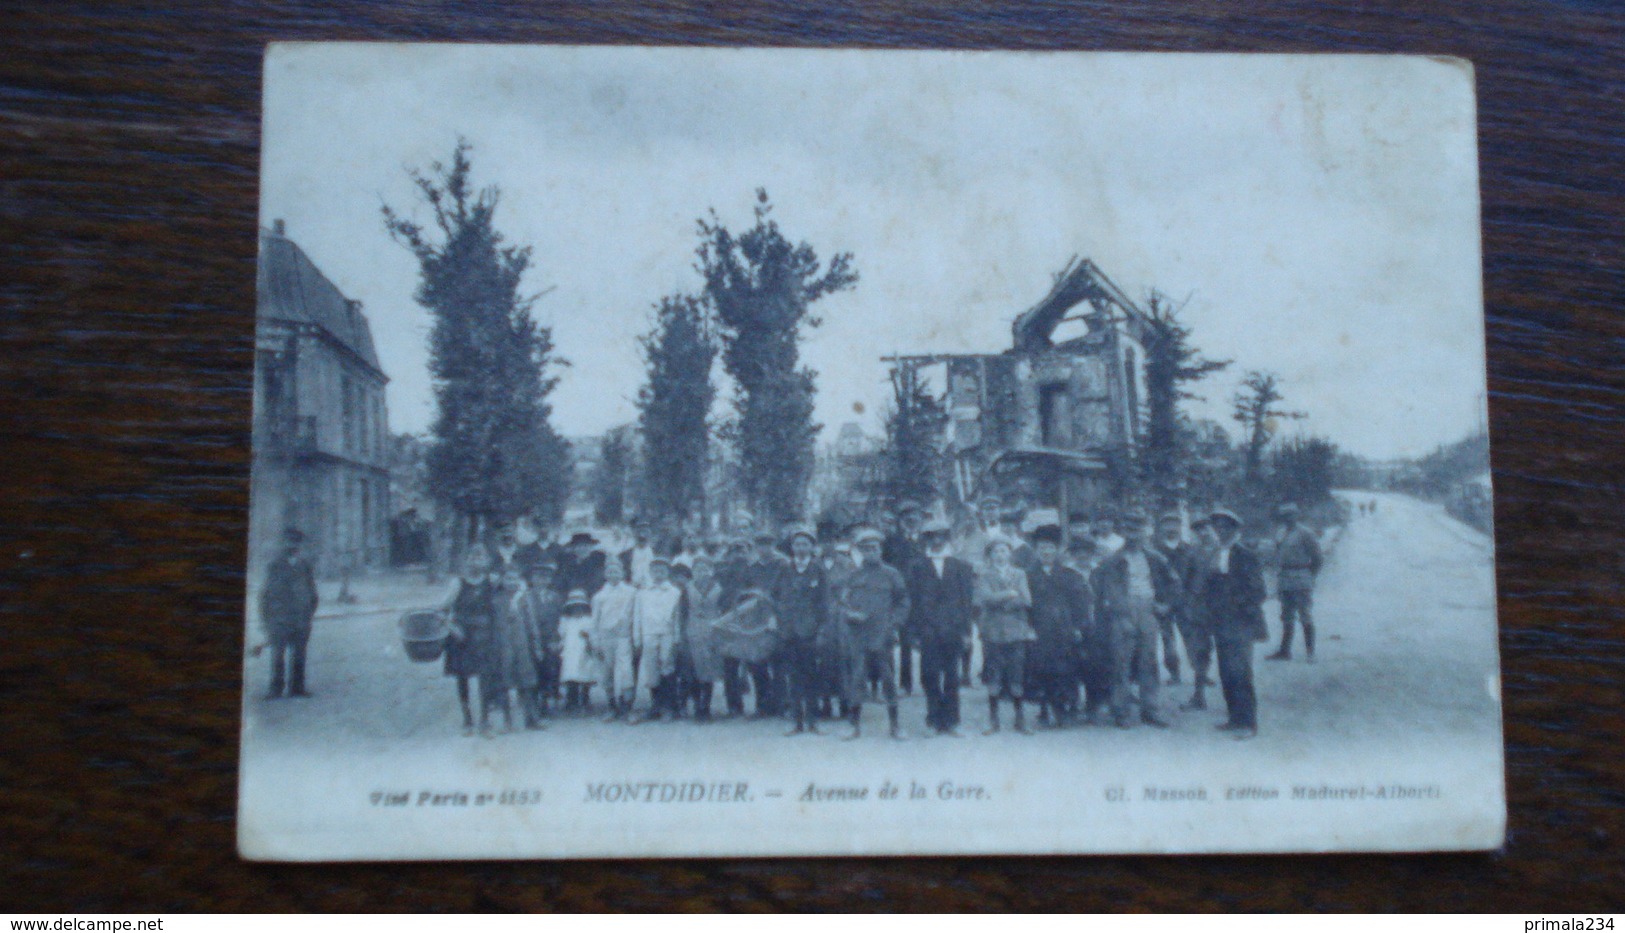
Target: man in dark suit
[(901, 549), (1233, 595), (801, 603), (940, 616), (1062, 612), (1171, 544), (287, 611)]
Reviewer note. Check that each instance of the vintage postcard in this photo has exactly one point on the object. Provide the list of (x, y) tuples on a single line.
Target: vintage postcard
[(742, 452)]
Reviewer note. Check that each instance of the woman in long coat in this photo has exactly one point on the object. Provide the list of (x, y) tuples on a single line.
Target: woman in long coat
[(1003, 598), (471, 609), (517, 647)]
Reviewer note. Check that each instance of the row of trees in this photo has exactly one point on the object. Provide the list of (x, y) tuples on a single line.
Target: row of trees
[(494, 454)]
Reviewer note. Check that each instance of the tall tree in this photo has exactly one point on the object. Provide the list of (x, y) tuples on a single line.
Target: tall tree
[(494, 454), (1172, 363), (913, 457), (1257, 409), (609, 479), (1302, 470), (673, 408), (762, 286)]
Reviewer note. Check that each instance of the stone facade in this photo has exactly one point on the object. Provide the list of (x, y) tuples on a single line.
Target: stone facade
[(321, 435)]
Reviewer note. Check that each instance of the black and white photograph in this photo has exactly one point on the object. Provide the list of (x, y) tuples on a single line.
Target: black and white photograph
[(761, 452)]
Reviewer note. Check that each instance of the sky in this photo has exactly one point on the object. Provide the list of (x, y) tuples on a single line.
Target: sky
[(1318, 215)]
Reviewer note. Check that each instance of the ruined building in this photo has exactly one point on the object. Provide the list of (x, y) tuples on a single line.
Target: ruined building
[(1054, 420)]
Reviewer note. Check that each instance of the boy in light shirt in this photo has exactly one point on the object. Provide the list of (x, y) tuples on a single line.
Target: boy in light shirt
[(654, 636), (612, 613)]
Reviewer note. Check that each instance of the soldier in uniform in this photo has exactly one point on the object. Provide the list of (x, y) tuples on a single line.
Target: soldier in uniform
[(287, 609), (872, 606), (1135, 587), (1298, 559), (1233, 594), (801, 603), (941, 610)]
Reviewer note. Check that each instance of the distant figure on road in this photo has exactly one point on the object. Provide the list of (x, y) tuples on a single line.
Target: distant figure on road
[(1233, 595), (1298, 559), (287, 609)]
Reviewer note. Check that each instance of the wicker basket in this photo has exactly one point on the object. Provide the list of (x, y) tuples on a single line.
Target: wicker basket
[(423, 633)]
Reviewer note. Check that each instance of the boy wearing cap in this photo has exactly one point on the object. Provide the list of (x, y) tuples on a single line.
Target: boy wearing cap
[(543, 605), (801, 603), (1135, 588), (654, 636), (1062, 613), (873, 605), (1233, 593)]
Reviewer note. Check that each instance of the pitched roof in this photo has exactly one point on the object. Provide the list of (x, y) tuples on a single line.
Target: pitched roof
[(291, 288)]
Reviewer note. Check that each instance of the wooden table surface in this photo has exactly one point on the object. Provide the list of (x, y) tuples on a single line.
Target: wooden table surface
[(128, 158)]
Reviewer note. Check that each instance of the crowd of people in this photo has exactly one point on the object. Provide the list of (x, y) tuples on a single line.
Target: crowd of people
[(813, 625)]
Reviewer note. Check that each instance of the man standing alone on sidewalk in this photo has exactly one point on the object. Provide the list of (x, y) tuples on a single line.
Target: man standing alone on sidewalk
[(1298, 559), (287, 609)]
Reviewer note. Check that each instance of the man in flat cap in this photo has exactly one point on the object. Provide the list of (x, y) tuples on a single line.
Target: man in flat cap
[(1298, 559), (1135, 588), (940, 618), (287, 611), (872, 606), (1233, 594)]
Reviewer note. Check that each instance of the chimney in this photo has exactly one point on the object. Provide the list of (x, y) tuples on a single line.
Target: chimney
[(279, 228)]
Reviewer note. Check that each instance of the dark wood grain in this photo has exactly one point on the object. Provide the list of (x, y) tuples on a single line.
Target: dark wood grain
[(128, 158)]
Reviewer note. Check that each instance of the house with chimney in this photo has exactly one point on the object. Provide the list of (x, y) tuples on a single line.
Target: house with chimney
[(321, 429)]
